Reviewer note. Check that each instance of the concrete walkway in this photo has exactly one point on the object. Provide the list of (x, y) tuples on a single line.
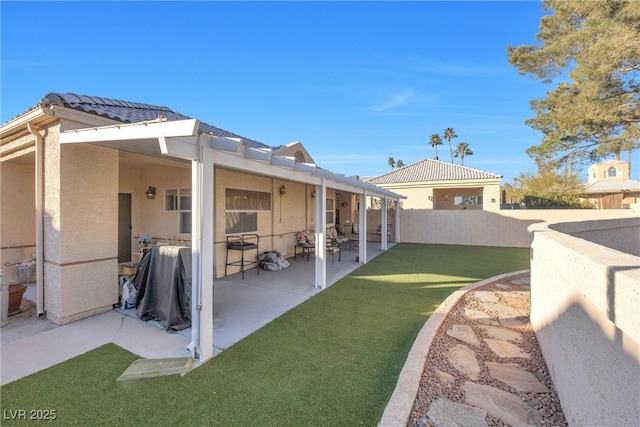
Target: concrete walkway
[(476, 363)]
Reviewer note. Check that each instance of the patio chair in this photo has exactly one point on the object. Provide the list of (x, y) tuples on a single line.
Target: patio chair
[(355, 236), (379, 232)]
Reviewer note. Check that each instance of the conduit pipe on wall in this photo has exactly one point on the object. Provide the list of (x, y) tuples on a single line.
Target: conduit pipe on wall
[(39, 202)]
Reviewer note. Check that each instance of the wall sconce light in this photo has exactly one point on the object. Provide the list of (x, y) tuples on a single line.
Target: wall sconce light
[(313, 194), (493, 200), (283, 190), (445, 197), (151, 192), (431, 198)]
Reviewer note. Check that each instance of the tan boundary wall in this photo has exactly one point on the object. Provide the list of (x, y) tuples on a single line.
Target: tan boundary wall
[(507, 228), (584, 310)]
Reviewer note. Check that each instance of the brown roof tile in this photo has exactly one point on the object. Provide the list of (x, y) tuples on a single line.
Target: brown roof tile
[(131, 112), (431, 170)]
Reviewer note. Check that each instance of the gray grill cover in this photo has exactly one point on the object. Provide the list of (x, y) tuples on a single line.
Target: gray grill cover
[(163, 281)]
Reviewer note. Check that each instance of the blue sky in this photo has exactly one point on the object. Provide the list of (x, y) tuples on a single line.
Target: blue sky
[(355, 82)]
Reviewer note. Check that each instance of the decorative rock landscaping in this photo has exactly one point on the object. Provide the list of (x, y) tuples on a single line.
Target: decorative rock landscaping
[(484, 366)]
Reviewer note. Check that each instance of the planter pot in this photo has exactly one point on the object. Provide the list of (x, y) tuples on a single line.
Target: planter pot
[(15, 298)]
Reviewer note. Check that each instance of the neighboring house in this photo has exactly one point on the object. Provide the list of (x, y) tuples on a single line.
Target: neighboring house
[(433, 184), (82, 177), (609, 187)]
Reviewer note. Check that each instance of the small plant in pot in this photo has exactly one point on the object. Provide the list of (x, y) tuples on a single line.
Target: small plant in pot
[(302, 237)]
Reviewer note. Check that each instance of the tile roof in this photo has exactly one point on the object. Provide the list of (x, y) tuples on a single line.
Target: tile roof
[(612, 186), (431, 170), (131, 112)]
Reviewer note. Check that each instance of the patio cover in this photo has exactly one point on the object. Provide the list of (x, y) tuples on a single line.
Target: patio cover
[(181, 139)]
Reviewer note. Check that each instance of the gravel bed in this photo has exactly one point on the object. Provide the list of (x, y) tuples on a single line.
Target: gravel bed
[(431, 387)]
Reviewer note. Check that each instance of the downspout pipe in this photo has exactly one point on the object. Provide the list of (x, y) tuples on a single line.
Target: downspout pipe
[(39, 223)]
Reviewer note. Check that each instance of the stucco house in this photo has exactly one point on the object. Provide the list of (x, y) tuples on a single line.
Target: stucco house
[(434, 184), (83, 177), (609, 187)]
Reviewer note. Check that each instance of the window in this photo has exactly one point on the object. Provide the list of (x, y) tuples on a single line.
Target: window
[(180, 200), (241, 210), (467, 200), (330, 211), (611, 172)]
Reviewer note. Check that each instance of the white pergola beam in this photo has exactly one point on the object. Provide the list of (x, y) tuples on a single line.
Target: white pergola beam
[(234, 161), (178, 148), (225, 143), (284, 162), (258, 154), (305, 167), (134, 131)]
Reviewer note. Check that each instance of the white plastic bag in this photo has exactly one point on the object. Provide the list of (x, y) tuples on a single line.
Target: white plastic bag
[(129, 294)]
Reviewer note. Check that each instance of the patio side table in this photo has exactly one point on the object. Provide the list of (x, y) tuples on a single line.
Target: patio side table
[(304, 249)]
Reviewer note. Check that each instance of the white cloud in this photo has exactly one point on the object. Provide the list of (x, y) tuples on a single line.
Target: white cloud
[(396, 100)]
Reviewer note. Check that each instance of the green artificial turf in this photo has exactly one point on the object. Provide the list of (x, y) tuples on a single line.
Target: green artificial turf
[(332, 361)]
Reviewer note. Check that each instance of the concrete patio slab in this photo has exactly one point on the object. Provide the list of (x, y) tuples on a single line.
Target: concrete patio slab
[(240, 308)]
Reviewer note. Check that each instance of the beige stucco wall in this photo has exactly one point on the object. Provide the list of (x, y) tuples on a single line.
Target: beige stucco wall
[(80, 224), (290, 212), (17, 222), (431, 195), (152, 218), (483, 228), (598, 172), (584, 310), (620, 234)]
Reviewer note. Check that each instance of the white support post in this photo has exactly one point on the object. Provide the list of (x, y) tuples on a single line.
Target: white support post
[(383, 224), (321, 227), (202, 252), (397, 223), (363, 228)]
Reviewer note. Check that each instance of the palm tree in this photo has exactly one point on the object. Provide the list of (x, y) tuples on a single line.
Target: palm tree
[(399, 163), (462, 150), (391, 162), (434, 141), (450, 134)]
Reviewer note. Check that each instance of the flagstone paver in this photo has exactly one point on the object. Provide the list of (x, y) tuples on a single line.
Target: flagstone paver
[(505, 349), (503, 334), (477, 315), (502, 311), (512, 323), (486, 296), (464, 360), (517, 377), (465, 334), (444, 377), (446, 413), (501, 404)]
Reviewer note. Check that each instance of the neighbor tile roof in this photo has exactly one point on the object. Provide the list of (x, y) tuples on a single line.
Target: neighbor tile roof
[(131, 112), (432, 170), (612, 186)]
